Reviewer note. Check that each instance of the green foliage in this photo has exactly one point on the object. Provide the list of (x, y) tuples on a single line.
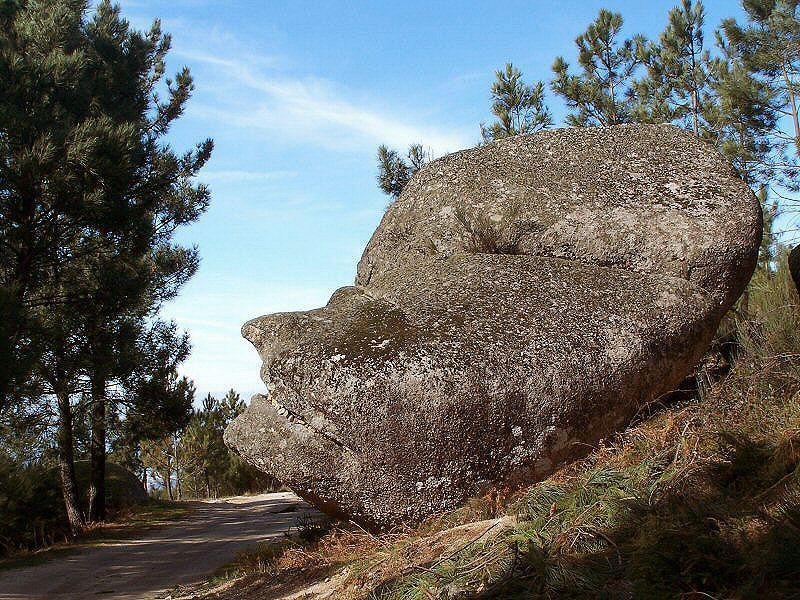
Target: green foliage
[(155, 400), (210, 468), (519, 107), (394, 171), (678, 71), (204, 453), (91, 199), (742, 120), (767, 253), (771, 334), (193, 461), (769, 47), (91, 196), (601, 94), (32, 512)]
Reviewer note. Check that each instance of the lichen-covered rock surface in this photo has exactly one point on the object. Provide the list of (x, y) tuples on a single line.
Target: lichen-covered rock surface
[(519, 302)]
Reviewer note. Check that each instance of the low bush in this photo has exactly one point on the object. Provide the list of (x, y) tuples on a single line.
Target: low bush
[(32, 511)]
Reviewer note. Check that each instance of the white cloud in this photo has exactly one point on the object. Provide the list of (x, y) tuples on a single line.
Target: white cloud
[(245, 176), (310, 109)]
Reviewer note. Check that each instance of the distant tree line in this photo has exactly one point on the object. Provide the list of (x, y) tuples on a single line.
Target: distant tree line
[(739, 93), (91, 196), (194, 462)]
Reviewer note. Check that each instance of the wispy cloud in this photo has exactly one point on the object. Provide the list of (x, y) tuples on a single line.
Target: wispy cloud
[(310, 109), (246, 176)]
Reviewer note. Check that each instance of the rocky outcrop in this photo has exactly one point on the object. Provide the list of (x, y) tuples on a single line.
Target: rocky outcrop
[(519, 302)]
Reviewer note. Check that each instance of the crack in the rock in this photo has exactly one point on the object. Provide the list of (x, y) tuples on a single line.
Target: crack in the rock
[(297, 419)]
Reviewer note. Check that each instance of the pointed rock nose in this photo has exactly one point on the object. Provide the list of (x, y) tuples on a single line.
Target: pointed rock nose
[(276, 333), (280, 333)]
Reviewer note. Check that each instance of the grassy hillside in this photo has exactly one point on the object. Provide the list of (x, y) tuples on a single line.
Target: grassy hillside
[(698, 499)]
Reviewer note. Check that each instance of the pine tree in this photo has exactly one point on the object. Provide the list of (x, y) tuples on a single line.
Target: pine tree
[(91, 198), (206, 466), (678, 77), (767, 251), (769, 48), (741, 119), (602, 93), (204, 448), (231, 406), (157, 457), (153, 400), (148, 418), (519, 107), (394, 171)]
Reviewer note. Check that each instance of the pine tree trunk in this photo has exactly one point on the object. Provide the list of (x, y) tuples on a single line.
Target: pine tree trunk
[(97, 483), (795, 118), (178, 489), (66, 464), (695, 113), (168, 479)]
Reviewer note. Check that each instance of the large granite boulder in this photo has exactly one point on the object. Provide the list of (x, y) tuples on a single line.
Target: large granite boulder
[(519, 302)]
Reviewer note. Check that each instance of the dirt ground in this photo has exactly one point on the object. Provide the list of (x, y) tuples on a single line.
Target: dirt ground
[(182, 553)]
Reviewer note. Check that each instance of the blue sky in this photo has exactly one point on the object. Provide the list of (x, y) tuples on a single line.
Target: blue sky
[(297, 96)]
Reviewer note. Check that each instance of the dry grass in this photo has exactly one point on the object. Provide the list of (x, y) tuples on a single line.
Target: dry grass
[(482, 235)]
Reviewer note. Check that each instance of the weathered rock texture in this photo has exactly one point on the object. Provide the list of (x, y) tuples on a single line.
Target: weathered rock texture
[(450, 368)]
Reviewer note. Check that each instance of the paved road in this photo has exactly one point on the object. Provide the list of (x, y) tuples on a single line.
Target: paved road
[(184, 552)]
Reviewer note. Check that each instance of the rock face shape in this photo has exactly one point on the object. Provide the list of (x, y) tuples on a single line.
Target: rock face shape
[(519, 302)]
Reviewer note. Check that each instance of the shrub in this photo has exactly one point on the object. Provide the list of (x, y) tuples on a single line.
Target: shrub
[(32, 511)]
